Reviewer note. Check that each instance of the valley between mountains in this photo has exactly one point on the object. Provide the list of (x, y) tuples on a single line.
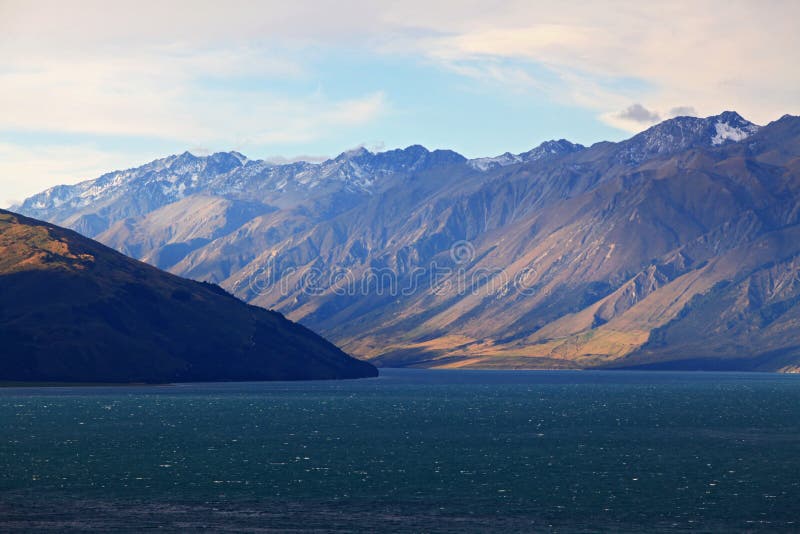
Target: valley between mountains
[(678, 248)]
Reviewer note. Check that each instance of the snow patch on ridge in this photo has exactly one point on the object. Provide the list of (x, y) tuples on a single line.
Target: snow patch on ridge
[(726, 132), (484, 164)]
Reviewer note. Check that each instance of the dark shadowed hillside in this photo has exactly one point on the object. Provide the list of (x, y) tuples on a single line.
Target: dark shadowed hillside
[(74, 310)]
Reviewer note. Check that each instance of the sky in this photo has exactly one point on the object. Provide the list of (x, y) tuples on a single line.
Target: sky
[(87, 87)]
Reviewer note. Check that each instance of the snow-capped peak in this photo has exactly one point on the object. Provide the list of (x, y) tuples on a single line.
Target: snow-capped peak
[(726, 131), (681, 133)]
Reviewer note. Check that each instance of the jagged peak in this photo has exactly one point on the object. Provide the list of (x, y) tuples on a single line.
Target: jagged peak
[(560, 142), (186, 156), (416, 149), (446, 156), (233, 158), (238, 155), (680, 133), (730, 115), (684, 121), (359, 151), (551, 148)]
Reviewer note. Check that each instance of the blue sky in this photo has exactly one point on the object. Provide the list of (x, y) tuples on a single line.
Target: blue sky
[(86, 88)]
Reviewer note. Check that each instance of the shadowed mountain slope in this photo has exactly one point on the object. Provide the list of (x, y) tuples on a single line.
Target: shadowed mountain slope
[(74, 310)]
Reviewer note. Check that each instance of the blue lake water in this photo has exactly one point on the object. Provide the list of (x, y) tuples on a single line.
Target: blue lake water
[(413, 450)]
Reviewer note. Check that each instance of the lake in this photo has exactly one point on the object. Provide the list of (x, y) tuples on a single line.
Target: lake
[(412, 450)]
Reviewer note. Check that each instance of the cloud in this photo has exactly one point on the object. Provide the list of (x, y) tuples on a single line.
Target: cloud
[(198, 23), (167, 96), (217, 74), (197, 73), (636, 116), (682, 111), (299, 120), (493, 74), (639, 113), (718, 55)]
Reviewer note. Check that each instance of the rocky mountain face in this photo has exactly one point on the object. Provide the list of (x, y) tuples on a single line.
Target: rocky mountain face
[(73, 310), (675, 248)]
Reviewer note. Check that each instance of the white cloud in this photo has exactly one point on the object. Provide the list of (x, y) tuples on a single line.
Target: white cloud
[(713, 55), (163, 95), (682, 111), (686, 52), (142, 68), (496, 74), (633, 118)]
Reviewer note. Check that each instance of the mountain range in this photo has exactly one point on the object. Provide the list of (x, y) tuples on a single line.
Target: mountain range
[(676, 248), (73, 310)]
